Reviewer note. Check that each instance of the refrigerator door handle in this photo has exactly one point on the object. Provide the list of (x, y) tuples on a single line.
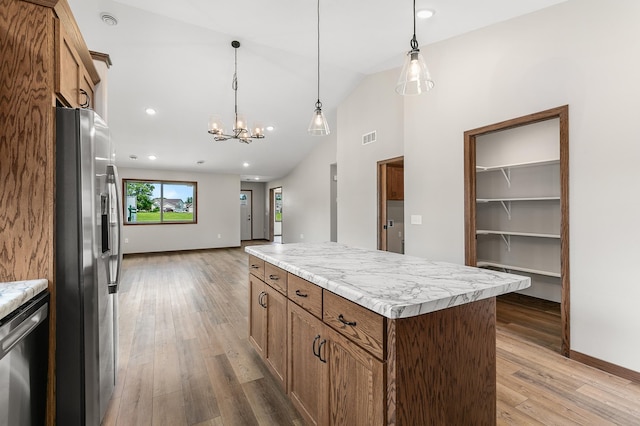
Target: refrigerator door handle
[(116, 246)]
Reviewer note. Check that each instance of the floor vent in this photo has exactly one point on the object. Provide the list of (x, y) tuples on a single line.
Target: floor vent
[(368, 138)]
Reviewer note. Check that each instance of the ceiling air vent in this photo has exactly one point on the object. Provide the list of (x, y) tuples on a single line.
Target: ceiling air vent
[(368, 138)]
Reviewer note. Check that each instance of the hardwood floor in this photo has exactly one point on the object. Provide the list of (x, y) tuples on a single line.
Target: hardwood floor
[(185, 358)]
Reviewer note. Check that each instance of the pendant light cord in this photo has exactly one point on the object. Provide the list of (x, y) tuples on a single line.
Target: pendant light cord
[(234, 84), (414, 40), (318, 103)]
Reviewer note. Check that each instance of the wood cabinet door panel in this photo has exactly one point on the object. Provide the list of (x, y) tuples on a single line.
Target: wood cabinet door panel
[(257, 315), (68, 67), (276, 334), (356, 384), (306, 370)]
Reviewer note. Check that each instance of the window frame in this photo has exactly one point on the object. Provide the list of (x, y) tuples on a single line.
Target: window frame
[(160, 182)]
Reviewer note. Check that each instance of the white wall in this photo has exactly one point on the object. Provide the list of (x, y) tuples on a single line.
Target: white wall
[(577, 53), (218, 213), (373, 105), (306, 194), (259, 222)]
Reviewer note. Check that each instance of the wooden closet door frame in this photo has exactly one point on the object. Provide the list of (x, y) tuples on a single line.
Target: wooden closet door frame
[(382, 198), (562, 113)]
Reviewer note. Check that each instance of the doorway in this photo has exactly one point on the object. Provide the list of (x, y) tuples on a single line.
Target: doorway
[(391, 205), (333, 202), (275, 215), (517, 207), (246, 211)]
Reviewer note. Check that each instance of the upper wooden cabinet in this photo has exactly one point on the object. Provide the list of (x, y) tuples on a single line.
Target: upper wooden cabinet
[(395, 182), (73, 85)]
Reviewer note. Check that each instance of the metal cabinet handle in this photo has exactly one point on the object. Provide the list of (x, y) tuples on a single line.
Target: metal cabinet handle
[(319, 349), (345, 322), (254, 267), (273, 277), (261, 299), (87, 99), (313, 346), (299, 294)]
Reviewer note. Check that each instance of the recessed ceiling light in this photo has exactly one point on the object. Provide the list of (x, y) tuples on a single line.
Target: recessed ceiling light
[(150, 111), (152, 157), (257, 178), (245, 164), (133, 157), (109, 19), (269, 128), (425, 13), (200, 162)]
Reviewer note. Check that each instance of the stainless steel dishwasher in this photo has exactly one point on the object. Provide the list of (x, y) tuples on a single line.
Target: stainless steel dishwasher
[(24, 342)]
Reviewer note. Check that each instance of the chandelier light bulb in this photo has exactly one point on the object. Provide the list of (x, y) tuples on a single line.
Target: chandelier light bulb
[(414, 78)]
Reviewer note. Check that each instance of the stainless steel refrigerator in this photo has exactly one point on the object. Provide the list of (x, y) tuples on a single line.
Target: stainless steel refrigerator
[(88, 259)]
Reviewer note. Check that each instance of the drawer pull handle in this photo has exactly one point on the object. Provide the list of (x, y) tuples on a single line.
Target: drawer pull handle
[(300, 294), (345, 322), (273, 277), (319, 349), (254, 267), (313, 346)]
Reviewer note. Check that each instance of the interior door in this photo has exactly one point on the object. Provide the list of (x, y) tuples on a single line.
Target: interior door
[(391, 205), (245, 215)]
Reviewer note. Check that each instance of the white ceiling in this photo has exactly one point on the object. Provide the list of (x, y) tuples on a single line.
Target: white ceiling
[(176, 57)]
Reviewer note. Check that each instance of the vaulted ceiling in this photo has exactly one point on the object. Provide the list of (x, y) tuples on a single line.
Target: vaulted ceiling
[(176, 57)]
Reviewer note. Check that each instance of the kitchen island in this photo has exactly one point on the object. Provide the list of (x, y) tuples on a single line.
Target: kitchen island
[(359, 336)]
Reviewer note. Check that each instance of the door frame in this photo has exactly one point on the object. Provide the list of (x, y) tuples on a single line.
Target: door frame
[(382, 199), (272, 211), (250, 213), (470, 255)]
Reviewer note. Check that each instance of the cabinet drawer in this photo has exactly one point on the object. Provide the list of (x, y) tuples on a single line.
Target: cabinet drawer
[(364, 327), (256, 266), (276, 277), (305, 294)]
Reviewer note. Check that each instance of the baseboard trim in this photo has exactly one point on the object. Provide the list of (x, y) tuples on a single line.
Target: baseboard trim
[(625, 373)]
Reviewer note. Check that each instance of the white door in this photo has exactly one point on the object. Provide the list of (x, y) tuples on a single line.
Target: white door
[(245, 215)]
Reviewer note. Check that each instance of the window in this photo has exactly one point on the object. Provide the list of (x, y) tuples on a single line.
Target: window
[(159, 202)]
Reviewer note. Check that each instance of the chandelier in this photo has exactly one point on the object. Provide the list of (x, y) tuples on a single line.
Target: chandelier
[(240, 129)]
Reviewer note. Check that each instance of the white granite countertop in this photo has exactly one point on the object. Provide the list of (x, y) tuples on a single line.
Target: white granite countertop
[(393, 285), (15, 293)]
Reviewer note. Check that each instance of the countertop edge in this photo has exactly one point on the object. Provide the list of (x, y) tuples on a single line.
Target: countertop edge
[(15, 293), (395, 311)]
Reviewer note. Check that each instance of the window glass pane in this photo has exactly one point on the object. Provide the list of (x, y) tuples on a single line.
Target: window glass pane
[(155, 202)]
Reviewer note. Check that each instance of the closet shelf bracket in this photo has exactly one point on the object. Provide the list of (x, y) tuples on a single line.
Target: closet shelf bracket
[(507, 208), (507, 241), (506, 172)]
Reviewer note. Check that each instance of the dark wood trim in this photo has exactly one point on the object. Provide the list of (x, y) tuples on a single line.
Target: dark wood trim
[(382, 197), (561, 113), (102, 57), (614, 369), (65, 15), (272, 205)]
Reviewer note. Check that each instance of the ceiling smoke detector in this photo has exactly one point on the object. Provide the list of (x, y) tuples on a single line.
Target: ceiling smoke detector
[(109, 19)]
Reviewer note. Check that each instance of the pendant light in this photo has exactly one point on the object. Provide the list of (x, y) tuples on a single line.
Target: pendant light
[(414, 78), (318, 125)]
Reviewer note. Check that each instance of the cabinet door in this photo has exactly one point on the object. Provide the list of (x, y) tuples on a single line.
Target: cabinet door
[(68, 67), (257, 315), (355, 384), (276, 335), (307, 372), (395, 183), (86, 91)]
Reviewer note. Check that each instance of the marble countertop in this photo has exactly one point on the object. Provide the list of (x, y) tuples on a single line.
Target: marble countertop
[(15, 293), (393, 285)]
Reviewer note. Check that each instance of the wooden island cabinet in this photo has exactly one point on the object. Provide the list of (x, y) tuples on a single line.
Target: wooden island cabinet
[(377, 338)]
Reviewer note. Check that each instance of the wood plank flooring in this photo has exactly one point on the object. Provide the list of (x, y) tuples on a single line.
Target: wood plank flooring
[(185, 359)]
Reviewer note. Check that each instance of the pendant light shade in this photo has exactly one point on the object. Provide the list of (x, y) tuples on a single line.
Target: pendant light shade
[(318, 125), (414, 78)]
